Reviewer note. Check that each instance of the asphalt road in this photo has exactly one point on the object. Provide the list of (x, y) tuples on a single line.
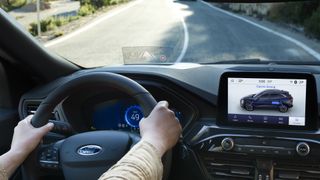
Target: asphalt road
[(166, 31)]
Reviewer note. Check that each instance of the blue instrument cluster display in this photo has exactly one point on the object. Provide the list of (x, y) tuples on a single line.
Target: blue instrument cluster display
[(116, 114), (119, 114)]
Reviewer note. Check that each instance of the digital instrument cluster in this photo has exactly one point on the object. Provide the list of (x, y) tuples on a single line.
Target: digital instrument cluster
[(119, 115)]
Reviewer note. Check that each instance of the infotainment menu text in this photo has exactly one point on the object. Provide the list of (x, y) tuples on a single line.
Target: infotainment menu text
[(267, 101)]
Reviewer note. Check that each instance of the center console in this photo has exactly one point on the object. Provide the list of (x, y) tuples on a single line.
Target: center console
[(266, 128)]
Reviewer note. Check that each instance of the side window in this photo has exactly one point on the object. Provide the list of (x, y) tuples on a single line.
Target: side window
[(279, 96), (274, 96), (264, 97)]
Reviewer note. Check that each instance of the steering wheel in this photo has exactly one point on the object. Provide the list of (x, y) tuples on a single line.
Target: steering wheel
[(88, 155)]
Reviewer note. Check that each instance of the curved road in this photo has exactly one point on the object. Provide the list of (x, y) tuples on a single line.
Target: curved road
[(153, 31)]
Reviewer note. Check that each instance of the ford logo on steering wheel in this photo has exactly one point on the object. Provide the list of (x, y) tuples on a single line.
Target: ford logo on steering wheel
[(89, 150)]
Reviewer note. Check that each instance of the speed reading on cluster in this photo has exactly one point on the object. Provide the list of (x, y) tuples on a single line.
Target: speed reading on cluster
[(133, 115)]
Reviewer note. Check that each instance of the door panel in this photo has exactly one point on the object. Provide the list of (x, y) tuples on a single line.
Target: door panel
[(8, 120)]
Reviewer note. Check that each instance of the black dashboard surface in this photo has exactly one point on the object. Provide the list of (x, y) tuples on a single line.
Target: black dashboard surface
[(192, 90)]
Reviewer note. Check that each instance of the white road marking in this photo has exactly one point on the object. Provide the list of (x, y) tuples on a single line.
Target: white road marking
[(186, 34), (91, 25), (185, 43), (296, 42)]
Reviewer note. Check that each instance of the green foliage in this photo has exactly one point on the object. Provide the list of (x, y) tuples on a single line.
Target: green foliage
[(51, 24), (106, 2), (95, 3), (114, 2), (9, 5), (33, 29), (16, 3), (312, 25), (86, 9), (4, 7), (288, 13), (292, 12), (58, 33), (305, 14), (101, 3)]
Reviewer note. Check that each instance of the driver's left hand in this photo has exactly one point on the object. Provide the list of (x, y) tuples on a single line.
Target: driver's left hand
[(26, 137), (25, 140)]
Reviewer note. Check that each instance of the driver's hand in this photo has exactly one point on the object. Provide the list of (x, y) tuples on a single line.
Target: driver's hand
[(26, 137), (161, 128)]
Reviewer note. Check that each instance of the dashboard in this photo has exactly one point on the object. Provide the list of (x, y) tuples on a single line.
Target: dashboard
[(245, 122)]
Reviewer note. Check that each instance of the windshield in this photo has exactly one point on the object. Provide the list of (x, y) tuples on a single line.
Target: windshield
[(94, 33)]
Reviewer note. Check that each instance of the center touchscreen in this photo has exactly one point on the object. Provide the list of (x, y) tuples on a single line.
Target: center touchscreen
[(267, 101)]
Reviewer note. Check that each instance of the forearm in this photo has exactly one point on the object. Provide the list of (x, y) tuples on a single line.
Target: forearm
[(9, 162), (141, 162)]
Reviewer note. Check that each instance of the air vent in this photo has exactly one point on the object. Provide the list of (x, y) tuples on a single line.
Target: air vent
[(31, 108), (230, 168), (296, 170)]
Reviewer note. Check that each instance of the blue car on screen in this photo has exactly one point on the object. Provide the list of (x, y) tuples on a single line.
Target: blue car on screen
[(270, 98)]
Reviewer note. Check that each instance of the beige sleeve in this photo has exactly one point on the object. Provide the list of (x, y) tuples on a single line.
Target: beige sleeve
[(142, 162), (3, 173)]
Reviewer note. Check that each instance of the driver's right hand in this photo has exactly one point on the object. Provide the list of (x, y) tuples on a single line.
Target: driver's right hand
[(161, 128)]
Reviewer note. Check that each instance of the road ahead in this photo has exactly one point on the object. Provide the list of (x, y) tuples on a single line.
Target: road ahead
[(166, 31)]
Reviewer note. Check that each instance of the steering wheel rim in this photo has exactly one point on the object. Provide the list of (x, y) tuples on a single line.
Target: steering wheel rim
[(116, 81), (104, 79)]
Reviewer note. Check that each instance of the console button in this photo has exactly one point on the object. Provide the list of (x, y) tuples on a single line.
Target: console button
[(227, 144), (252, 150), (265, 151), (303, 149), (289, 152), (239, 149), (276, 151)]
